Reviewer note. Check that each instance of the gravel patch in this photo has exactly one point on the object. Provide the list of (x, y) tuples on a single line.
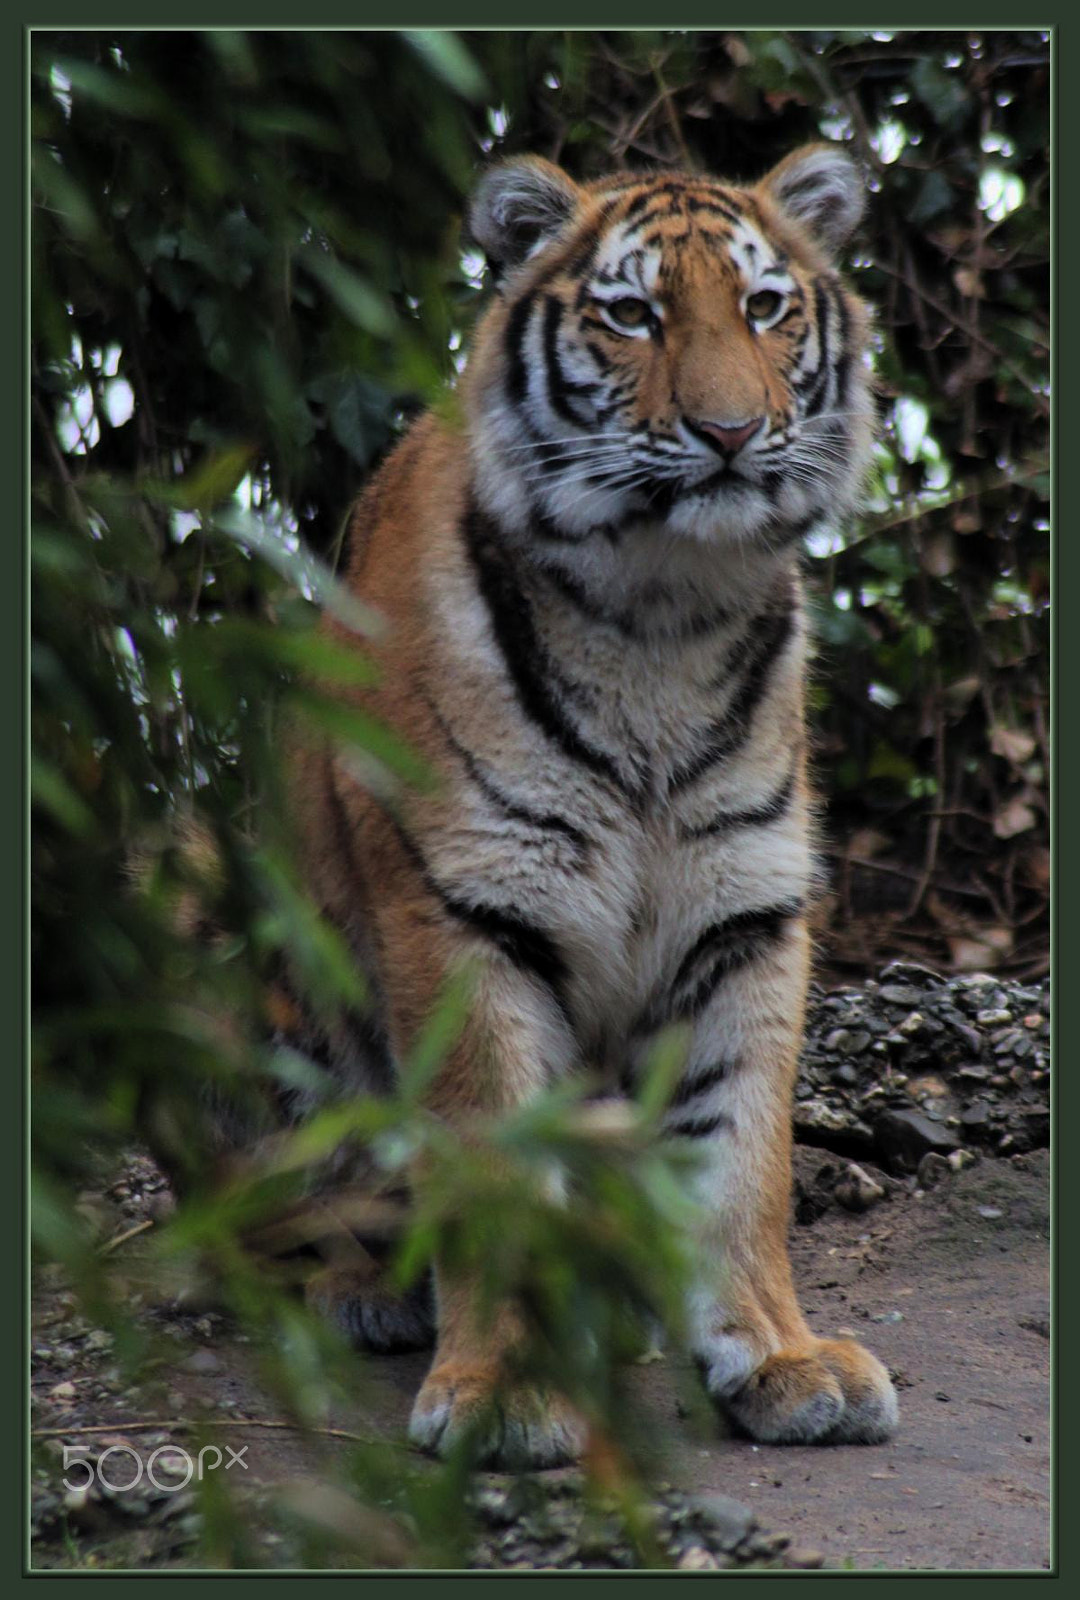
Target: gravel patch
[(545, 1521), (912, 1065)]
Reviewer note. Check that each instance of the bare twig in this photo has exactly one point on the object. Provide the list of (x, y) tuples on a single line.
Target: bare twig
[(122, 1238), (184, 1424), (969, 332)]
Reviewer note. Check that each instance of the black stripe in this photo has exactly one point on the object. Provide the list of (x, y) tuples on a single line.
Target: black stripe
[(638, 625), (697, 1127), (575, 591), (843, 359), (747, 651), (820, 379), (666, 187), (698, 1082), (769, 810), (517, 375), (731, 731), (544, 527), (723, 948), (714, 207), (529, 948), (560, 387), (586, 246), (544, 821), (530, 670), (794, 531), (365, 1030)]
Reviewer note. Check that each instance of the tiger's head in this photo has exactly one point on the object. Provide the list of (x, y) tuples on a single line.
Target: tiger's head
[(671, 349)]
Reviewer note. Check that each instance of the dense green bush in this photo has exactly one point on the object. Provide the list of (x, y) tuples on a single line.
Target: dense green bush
[(246, 276)]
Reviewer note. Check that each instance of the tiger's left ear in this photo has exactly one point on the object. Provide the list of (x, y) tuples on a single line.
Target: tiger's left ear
[(517, 207), (821, 187)]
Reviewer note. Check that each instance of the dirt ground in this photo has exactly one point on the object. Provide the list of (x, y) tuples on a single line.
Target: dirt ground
[(957, 1305), (950, 1287)]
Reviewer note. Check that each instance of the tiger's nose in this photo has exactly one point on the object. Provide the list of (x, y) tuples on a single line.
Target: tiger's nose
[(727, 437)]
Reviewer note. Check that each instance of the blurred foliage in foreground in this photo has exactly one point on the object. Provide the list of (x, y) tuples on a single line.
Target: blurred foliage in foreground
[(246, 276)]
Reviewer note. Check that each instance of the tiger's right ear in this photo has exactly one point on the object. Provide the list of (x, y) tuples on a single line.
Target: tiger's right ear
[(517, 207)]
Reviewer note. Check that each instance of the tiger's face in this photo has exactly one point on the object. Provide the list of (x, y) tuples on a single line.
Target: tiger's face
[(671, 349)]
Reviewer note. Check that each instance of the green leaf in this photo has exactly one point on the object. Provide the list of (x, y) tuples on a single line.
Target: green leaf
[(887, 762), (214, 481), (662, 1069), (116, 92), (300, 567), (63, 196), (366, 306), (50, 790), (446, 56), (935, 196), (944, 94), (438, 1036), (362, 735)]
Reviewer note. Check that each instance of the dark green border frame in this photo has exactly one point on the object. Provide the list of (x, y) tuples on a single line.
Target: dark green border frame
[(594, 14)]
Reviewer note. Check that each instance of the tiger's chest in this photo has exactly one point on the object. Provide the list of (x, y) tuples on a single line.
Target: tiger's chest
[(621, 793)]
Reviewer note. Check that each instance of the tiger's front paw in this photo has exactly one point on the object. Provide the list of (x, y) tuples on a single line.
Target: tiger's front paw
[(830, 1392), (514, 1426)]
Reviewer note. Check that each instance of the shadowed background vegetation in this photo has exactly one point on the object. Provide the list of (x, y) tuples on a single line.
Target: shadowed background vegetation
[(247, 275)]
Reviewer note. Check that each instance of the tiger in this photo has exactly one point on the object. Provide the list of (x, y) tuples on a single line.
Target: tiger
[(597, 640)]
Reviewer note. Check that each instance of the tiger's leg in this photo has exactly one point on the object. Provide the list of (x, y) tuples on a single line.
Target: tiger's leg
[(516, 1039), (760, 1360)]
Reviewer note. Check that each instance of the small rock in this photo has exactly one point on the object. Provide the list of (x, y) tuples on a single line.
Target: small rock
[(991, 1213), (927, 1085), (804, 1559), (726, 1519), (1038, 1124), (816, 1117), (904, 1137), (161, 1205), (77, 1502), (697, 1559), (900, 994), (993, 1019), (857, 1190), (932, 1169), (897, 971), (495, 1508), (201, 1361)]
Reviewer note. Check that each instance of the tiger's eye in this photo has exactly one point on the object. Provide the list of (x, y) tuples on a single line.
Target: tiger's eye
[(628, 312), (764, 304)]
